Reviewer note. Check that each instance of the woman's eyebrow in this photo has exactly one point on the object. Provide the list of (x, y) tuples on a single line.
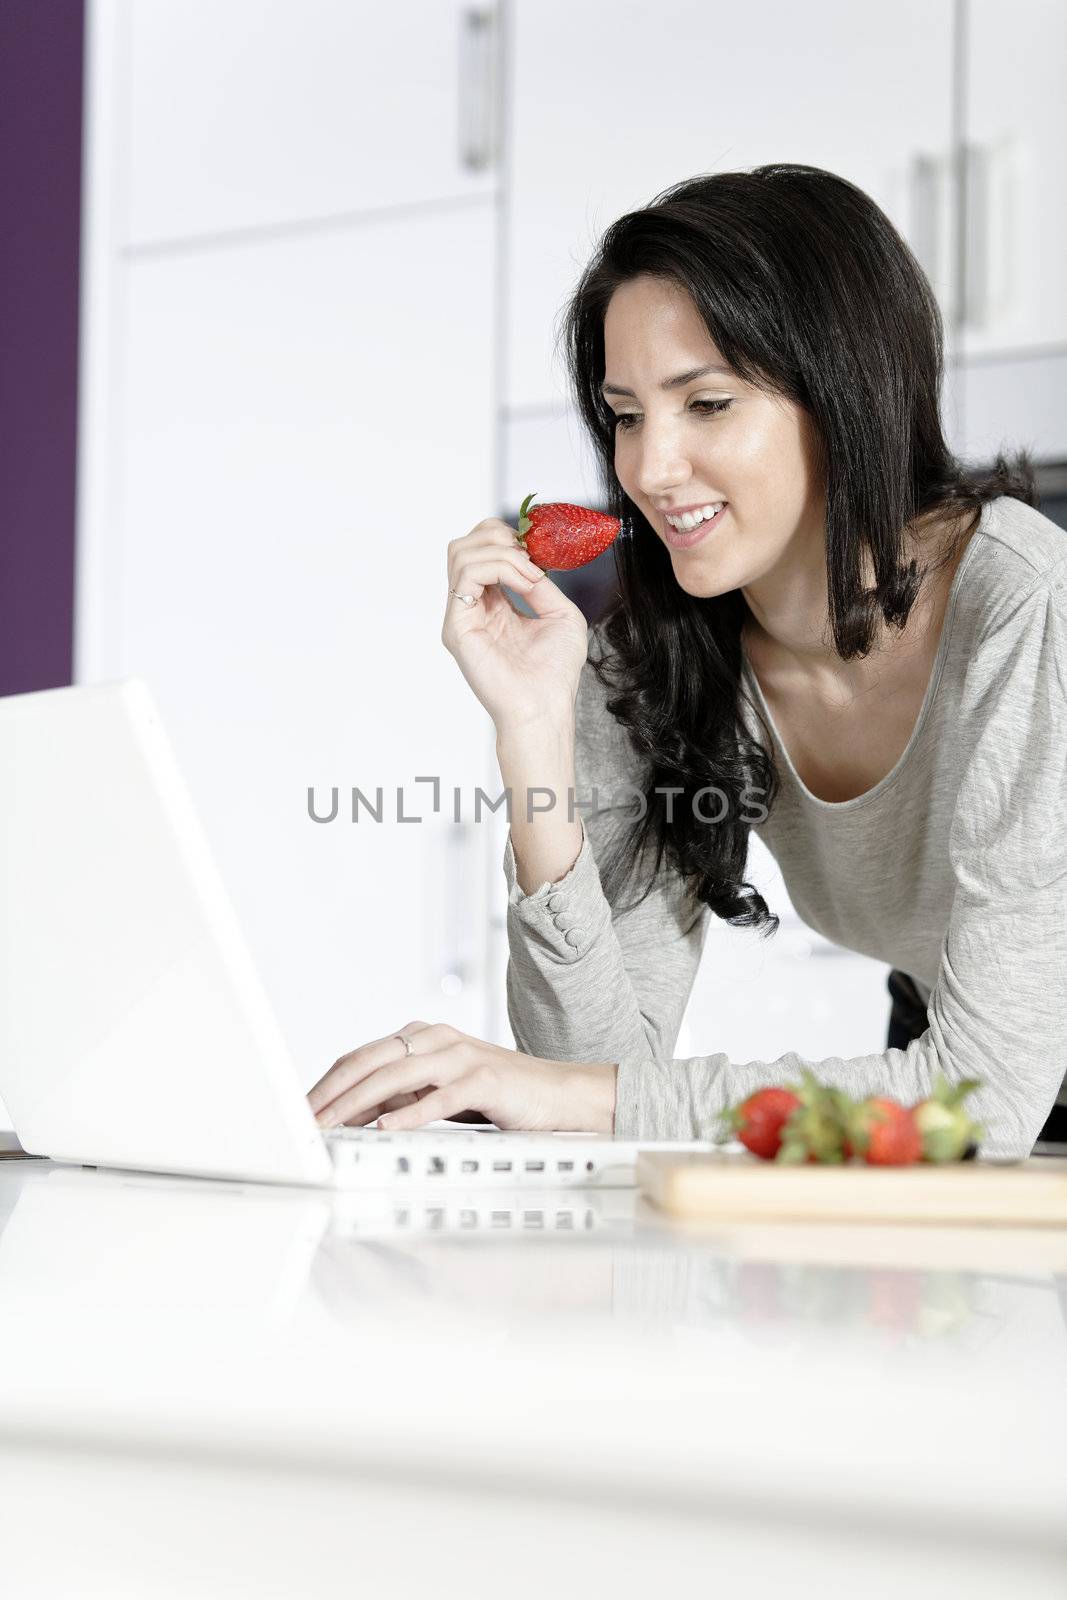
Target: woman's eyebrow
[(670, 383)]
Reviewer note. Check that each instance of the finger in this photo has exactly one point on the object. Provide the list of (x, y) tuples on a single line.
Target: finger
[(355, 1064), (486, 546), (493, 531), (369, 1118), (482, 545), (474, 576), (443, 1103), (426, 1070)]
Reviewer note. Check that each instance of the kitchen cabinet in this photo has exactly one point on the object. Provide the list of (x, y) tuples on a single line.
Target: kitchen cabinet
[(610, 103), (279, 433), (288, 474), (1015, 234), (244, 116), (1012, 374), (287, 480)]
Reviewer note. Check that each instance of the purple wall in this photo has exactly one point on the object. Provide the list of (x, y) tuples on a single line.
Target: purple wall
[(40, 196)]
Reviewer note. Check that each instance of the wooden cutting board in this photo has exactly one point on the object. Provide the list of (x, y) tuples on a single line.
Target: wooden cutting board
[(732, 1185)]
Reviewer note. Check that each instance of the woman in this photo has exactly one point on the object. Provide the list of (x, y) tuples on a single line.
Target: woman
[(851, 645)]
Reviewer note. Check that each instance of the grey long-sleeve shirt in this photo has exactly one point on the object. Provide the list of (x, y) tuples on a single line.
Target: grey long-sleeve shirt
[(953, 868)]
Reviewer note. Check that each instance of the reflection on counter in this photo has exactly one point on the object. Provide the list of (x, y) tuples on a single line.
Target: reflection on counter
[(142, 1247)]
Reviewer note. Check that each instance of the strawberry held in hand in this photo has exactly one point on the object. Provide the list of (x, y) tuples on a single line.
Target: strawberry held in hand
[(561, 537)]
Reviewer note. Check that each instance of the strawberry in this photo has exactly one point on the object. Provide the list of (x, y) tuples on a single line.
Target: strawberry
[(885, 1133), (758, 1121), (948, 1134), (562, 537), (816, 1132)]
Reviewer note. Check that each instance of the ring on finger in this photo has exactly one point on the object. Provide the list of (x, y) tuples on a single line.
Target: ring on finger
[(468, 600)]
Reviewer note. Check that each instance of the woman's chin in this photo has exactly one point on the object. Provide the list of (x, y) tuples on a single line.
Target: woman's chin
[(701, 585)]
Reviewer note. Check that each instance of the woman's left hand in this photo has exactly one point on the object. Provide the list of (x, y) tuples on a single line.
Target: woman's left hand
[(449, 1072)]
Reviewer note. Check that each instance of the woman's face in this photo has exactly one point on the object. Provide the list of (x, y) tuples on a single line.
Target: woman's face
[(710, 440)]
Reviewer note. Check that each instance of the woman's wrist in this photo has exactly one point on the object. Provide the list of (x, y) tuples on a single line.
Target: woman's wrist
[(589, 1099)]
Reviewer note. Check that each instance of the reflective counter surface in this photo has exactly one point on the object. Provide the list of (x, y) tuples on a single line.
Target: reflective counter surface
[(572, 1357)]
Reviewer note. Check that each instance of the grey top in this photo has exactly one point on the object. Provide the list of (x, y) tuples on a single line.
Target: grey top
[(953, 868)]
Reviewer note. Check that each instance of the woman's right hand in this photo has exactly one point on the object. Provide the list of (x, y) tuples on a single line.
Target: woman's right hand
[(524, 670)]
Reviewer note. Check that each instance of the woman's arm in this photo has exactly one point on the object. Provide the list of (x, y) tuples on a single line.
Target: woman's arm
[(585, 984)]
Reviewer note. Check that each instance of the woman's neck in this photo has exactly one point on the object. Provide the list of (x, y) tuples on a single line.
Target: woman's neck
[(795, 646)]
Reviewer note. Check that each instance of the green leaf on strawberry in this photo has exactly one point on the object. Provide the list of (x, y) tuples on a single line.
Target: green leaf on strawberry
[(947, 1133)]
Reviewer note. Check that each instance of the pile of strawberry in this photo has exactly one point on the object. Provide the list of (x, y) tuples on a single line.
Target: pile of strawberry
[(809, 1121)]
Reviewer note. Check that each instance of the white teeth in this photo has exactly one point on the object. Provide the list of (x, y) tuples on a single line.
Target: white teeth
[(692, 519)]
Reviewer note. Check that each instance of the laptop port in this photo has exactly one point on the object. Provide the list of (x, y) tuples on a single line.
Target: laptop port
[(468, 1166), (533, 1219), (535, 1166), (436, 1166), (564, 1166), (403, 1164), (501, 1219), (501, 1166)]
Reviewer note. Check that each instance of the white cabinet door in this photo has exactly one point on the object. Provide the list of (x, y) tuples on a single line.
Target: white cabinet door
[(1016, 135), (611, 102), (243, 114), (299, 427)]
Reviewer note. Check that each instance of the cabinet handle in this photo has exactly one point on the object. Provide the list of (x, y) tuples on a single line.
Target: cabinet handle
[(477, 89), (923, 206), (975, 236), (462, 889)]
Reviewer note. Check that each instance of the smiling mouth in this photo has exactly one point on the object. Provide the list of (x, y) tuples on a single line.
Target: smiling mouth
[(691, 532), (691, 519)]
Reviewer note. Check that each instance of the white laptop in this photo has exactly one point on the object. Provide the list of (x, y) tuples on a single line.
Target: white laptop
[(134, 1030)]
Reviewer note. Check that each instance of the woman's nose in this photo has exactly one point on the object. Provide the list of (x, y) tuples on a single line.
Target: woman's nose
[(662, 466), (661, 478)]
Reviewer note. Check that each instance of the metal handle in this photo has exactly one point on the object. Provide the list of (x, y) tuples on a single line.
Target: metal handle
[(975, 233), (478, 57), (460, 893), (923, 185)]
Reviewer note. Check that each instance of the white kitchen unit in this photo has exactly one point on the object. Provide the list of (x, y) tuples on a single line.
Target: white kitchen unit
[(1015, 135), (1013, 329), (251, 116), (610, 103), (281, 431)]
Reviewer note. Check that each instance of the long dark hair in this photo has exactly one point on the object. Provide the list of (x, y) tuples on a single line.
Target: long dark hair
[(808, 291)]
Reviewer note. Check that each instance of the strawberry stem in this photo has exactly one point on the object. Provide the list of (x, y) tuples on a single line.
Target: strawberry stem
[(524, 521)]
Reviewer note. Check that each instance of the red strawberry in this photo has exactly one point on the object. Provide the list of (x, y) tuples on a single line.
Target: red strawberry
[(562, 537), (758, 1121), (885, 1133)]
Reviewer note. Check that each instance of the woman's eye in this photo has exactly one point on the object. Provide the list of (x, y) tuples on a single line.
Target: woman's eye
[(626, 420)]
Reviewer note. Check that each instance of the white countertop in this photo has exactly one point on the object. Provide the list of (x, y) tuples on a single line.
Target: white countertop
[(578, 1344)]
